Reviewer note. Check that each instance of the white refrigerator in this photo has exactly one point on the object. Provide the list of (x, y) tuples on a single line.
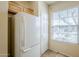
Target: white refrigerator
[(27, 35)]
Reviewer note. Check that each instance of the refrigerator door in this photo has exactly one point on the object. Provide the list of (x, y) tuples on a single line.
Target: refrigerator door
[(35, 31)]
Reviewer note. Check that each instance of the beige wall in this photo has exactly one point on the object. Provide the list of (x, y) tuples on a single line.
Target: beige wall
[(64, 48), (43, 14), (3, 28)]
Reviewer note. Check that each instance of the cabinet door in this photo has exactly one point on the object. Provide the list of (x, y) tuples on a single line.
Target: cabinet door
[(13, 7), (18, 7), (28, 10)]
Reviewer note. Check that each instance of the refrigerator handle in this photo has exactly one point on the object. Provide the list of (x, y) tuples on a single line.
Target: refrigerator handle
[(25, 50), (22, 42)]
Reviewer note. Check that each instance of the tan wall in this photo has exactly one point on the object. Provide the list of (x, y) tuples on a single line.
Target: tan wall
[(64, 48), (43, 14), (3, 28)]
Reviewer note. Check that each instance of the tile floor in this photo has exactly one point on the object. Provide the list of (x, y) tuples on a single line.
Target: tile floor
[(50, 53)]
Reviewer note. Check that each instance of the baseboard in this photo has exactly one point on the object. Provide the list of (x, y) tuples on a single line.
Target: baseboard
[(60, 53)]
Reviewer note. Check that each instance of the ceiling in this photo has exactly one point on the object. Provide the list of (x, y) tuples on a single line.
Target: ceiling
[(50, 2)]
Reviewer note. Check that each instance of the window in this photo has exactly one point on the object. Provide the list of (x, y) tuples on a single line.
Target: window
[(64, 25)]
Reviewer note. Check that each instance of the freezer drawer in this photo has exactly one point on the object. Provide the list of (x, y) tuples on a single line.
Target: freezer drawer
[(35, 51), (26, 54)]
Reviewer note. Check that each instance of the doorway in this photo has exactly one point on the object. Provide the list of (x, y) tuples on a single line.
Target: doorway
[(10, 34)]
